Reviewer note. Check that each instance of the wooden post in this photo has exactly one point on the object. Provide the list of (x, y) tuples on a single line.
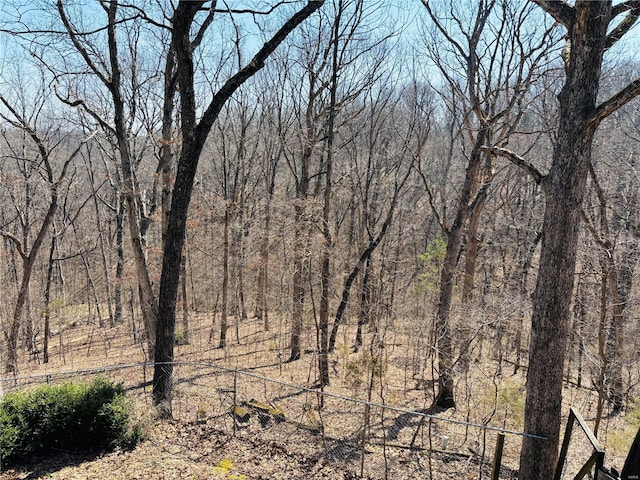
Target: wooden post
[(497, 458), (597, 457), (565, 446)]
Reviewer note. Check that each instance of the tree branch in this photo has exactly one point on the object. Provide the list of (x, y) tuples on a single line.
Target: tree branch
[(623, 7), (627, 22), (444, 31), (79, 47), (518, 161), (81, 103), (16, 242), (256, 63), (615, 102), (560, 10), (439, 218)]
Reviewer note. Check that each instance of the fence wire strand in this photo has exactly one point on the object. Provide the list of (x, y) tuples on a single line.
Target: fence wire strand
[(363, 439)]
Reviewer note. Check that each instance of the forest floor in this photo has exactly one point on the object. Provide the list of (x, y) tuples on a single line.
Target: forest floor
[(189, 449)]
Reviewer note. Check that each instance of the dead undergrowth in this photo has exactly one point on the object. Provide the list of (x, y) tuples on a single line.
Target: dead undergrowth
[(203, 442)]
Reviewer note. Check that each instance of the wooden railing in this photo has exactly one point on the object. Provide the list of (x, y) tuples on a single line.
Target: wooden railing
[(597, 456)]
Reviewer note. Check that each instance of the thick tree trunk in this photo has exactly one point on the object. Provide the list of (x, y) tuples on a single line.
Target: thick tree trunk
[(442, 327), (564, 187), (473, 249), (468, 284)]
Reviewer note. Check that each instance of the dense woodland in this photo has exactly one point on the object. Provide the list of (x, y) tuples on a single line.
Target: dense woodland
[(463, 171)]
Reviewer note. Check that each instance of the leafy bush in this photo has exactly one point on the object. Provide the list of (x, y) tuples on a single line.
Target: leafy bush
[(72, 416)]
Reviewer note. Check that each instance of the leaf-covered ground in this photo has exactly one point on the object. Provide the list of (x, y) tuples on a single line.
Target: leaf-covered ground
[(181, 451), (192, 450)]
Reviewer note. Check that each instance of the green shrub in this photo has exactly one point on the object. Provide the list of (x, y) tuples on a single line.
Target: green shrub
[(432, 260), (180, 339), (71, 416)]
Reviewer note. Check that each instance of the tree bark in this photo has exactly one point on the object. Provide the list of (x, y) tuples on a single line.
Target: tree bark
[(47, 300), (224, 310), (442, 328), (194, 135), (564, 186)]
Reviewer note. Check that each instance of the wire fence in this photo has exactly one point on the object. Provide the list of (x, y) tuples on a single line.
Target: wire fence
[(358, 438)]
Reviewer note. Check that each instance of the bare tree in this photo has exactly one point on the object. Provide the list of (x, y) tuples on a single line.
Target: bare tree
[(392, 128), (42, 157), (488, 67), (194, 135), (272, 113), (236, 152), (109, 73), (592, 28)]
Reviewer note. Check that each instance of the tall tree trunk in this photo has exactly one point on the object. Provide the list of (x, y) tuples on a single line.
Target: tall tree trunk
[(602, 338), (468, 284), (147, 297), (117, 310), (225, 281), (113, 82), (614, 342), (323, 357), (590, 35), (628, 261), (183, 295), (564, 187), (298, 288), (47, 300), (364, 312), (194, 135), (242, 230), (103, 247), (362, 260), (262, 309), (442, 328), (473, 249)]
